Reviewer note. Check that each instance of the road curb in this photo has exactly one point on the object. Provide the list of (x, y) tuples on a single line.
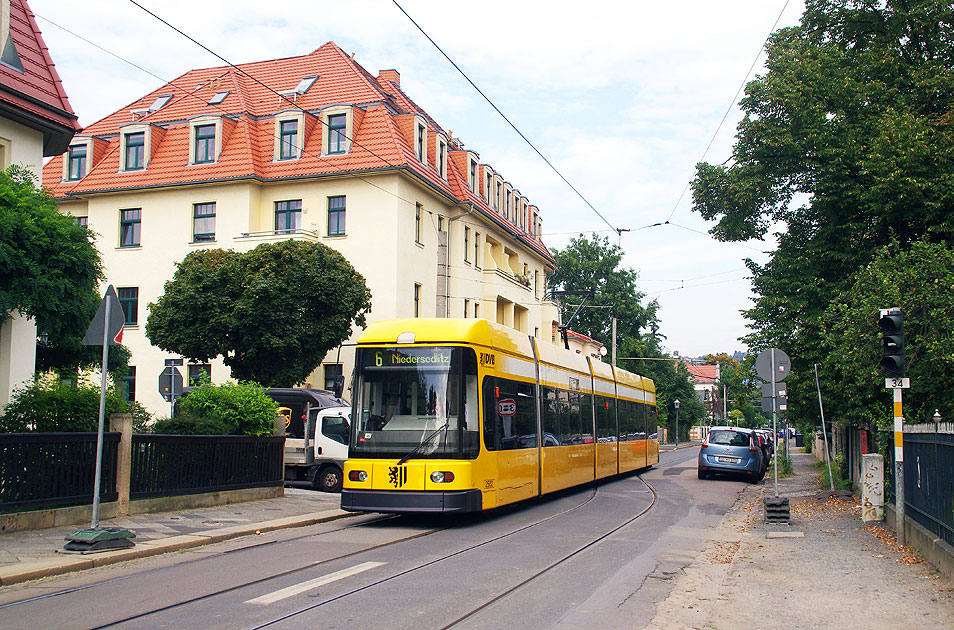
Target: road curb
[(67, 563)]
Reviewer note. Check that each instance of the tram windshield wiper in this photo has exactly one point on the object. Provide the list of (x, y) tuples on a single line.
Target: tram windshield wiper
[(424, 442)]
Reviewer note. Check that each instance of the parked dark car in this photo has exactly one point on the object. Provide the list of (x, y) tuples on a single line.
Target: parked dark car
[(732, 451)]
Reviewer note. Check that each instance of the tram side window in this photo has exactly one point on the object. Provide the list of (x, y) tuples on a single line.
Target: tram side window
[(649, 413), (586, 417), (509, 415), (605, 419), (571, 423), (551, 415), (629, 428)]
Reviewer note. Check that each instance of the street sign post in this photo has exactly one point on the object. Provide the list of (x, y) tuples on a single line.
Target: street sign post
[(170, 386), (773, 365), (106, 329)]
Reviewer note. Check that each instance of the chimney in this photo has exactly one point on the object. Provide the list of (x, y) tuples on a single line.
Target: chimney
[(390, 75)]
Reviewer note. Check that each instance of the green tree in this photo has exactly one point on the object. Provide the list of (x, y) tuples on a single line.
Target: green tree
[(49, 271), (847, 144), (920, 281), (272, 313), (594, 265)]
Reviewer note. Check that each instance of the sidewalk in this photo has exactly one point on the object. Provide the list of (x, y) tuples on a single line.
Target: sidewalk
[(824, 569), (27, 555)]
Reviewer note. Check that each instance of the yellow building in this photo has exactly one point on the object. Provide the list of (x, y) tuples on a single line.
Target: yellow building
[(35, 121), (311, 148)]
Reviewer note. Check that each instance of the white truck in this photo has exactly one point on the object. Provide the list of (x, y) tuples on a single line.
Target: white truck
[(318, 424)]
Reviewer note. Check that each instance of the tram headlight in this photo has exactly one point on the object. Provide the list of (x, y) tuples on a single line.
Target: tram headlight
[(358, 475), (441, 476)]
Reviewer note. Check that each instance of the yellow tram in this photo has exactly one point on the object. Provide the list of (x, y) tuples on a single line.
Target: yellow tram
[(462, 415)]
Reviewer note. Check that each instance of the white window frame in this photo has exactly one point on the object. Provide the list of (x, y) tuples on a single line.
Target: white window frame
[(202, 121), (284, 116)]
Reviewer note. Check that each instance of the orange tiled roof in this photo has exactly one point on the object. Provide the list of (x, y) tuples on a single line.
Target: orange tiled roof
[(382, 133), (703, 373), (35, 96)]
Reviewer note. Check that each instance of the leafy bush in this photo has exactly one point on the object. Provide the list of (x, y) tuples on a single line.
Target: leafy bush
[(191, 425), (241, 408), (49, 405), (785, 468), (839, 482)]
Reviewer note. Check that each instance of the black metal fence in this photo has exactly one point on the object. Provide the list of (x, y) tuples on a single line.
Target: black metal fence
[(54, 469), (164, 465), (43, 470), (929, 478)]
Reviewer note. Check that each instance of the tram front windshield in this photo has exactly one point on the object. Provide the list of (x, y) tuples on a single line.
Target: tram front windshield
[(422, 398)]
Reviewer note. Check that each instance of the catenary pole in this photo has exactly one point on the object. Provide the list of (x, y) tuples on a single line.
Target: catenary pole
[(821, 409)]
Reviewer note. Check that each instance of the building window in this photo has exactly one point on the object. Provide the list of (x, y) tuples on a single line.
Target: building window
[(336, 216), (332, 372), (440, 223), (421, 132), (476, 310), (81, 221), (287, 216), (129, 300), (337, 133), (199, 373), (77, 162), (441, 154), (507, 205), (204, 143), (466, 244), (488, 187), (288, 140), (473, 176), (476, 249), (466, 307), (129, 227), (203, 222), (127, 384), (218, 97), (417, 300), (135, 151), (497, 198), (417, 223)]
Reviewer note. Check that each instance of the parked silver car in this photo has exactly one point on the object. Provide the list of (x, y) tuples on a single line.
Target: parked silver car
[(732, 450)]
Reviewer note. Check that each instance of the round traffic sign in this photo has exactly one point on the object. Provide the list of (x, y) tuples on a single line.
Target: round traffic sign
[(772, 364)]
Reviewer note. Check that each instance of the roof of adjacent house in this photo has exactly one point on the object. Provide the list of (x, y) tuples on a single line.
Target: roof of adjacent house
[(31, 92), (704, 374), (382, 135)]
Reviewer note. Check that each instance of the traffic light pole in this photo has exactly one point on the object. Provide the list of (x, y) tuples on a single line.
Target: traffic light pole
[(899, 465)]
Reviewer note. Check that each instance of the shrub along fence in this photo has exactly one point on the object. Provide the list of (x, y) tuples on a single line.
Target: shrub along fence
[(45, 470)]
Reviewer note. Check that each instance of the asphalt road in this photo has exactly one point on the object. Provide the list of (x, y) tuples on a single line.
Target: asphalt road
[(596, 556)]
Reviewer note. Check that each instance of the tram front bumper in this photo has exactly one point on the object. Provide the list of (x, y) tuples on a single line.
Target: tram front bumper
[(400, 502)]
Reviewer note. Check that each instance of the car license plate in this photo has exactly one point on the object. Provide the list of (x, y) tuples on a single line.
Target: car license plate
[(728, 460)]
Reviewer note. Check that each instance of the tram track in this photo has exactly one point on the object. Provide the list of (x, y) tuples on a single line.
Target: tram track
[(263, 580), (357, 553), (502, 595)]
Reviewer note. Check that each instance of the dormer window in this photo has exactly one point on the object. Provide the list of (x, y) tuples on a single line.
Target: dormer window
[(204, 143), (420, 142), (337, 133), (135, 151), (218, 97), (76, 167), (160, 101), (441, 157), (288, 141), (473, 176)]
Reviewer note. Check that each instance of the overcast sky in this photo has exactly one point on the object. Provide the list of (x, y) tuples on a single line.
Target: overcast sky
[(622, 97)]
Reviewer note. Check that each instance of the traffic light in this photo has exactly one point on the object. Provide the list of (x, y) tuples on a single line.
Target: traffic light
[(892, 342)]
